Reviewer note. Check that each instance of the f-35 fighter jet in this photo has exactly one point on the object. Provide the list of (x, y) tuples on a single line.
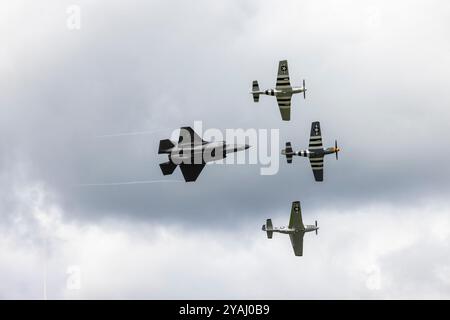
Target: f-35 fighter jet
[(192, 153), (283, 90), (296, 229), (315, 151)]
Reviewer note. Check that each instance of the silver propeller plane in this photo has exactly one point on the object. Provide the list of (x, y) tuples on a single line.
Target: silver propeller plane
[(283, 90), (296, 229), (192, 153), (315, 151)]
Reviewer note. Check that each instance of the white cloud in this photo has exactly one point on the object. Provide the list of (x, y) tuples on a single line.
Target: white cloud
[(357, 254)]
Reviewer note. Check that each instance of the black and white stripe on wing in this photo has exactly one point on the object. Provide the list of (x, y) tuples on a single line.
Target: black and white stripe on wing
[(284, 103), (316, 163), (317, 167), (315, 139), (283, 82)]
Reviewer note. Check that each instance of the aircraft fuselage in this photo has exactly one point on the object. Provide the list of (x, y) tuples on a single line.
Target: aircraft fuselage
[(206, 152), (285, 92), (287, 230), (312, 153)]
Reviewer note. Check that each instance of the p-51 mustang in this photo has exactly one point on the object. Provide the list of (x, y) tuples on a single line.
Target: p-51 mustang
[(192, 153), (315, 151), (296, 229), (283, 90)]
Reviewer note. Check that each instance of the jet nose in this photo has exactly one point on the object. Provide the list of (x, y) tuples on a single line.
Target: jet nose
[(240, 147)]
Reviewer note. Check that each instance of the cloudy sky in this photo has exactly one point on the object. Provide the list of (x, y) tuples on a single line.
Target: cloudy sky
[(377, 77)]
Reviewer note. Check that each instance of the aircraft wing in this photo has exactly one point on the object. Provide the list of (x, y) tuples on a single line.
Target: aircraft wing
[(315, 142), (297, 242), (284, 103), (295, 221), (283, 76), (188, 136), (315, 139), (191, 171), (317, 167)]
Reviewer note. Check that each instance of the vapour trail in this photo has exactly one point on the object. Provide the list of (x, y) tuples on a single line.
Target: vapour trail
[(124, 183), (132, 133)]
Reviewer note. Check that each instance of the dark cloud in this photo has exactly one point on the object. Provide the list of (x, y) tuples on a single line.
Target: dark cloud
[(373, 85)]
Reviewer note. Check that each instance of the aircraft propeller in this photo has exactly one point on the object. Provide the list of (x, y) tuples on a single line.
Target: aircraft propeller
[(316, 227), (336, 149), (304, 89)]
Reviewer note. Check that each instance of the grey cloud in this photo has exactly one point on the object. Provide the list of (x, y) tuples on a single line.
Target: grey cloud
[(377, 80), (130, 69)]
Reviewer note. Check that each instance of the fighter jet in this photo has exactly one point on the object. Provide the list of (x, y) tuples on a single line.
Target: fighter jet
[(296, 229), (283, 90), (192, 153), (315, 151)]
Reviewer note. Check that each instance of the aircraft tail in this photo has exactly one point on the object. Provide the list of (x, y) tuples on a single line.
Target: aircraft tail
[(167, 167), (255, 91), (165, 145), (288, 152), (268, 227)]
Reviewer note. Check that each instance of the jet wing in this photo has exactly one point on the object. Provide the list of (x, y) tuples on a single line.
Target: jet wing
[(191, 171), (284, 103), (297, 242), (295, 221), (283, 76), (189, 137), (317, 167)]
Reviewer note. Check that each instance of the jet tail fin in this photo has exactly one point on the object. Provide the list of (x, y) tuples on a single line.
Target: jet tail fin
[(255, 91), (165, 145), (167, 167), (268, 227)]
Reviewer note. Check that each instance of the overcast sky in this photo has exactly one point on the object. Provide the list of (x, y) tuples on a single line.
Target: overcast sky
[(377, 78)]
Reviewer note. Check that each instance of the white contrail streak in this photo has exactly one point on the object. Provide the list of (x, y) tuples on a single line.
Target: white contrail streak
[(132, 133), (124, 183)]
